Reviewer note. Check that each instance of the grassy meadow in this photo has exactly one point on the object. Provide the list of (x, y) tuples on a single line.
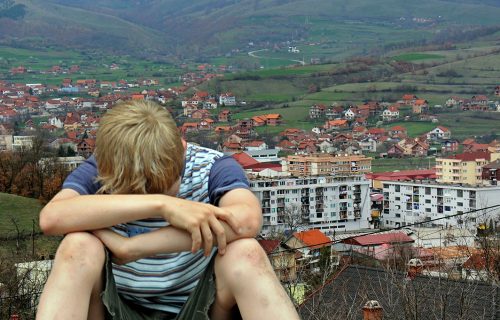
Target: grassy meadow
[(20, 213)]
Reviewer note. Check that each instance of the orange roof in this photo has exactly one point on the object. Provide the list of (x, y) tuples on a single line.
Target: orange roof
[(273, 116), (337, 122), (137, 97), (244, 159), (314, 238), (258, 119)]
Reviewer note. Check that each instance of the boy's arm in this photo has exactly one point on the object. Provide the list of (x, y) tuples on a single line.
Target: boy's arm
[(69, 212), (240, 202)]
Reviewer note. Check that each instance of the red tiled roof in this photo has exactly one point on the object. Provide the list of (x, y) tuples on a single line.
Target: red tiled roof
[(244, 159), (471, 156), (269, 245), (314, 238), (376, 239)]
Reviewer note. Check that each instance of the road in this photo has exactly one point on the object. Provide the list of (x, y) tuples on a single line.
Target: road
[(253, 55)]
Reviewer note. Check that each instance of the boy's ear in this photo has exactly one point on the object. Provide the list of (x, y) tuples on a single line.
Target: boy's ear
[(184, 143)]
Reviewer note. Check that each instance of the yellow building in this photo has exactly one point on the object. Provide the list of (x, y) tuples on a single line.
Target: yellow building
[(465, 168), (327, 164)]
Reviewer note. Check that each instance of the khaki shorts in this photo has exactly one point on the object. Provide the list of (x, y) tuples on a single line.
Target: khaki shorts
[(197, 306)]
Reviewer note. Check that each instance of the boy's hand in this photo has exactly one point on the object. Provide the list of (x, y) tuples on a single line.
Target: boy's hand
[(201, 220), (116, 244)]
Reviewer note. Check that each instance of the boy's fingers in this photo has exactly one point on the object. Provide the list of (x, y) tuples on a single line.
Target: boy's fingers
[(220, 233), (229, 218), (207, 238), (196, 238)]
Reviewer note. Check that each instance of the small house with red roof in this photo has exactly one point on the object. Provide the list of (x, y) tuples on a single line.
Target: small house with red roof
[(409, 99), (282, 259), (398, 131), (376, 132), (420, 106), (317, 111), (439, 133), (391, 113), (396, 151), (200, 114), (311, 244), (273, 119), (259, 121), (224, 116), (380, 246), (336, 124)]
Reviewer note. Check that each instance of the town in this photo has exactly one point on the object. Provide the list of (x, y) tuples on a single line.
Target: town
[(322, 202)]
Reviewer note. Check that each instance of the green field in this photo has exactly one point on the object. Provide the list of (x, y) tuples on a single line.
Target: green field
[(21, 212), (18, 210), (417, 56)]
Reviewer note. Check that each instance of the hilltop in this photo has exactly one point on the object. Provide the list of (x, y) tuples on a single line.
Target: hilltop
[(163, 28)]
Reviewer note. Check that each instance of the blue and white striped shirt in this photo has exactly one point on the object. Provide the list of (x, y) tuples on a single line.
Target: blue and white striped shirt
[(164, 282)]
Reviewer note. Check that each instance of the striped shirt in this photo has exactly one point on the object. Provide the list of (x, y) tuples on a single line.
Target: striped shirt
[(164, 282)]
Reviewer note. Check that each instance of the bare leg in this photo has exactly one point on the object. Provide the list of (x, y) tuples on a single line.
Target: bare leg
[(245, 276), (73, 288)]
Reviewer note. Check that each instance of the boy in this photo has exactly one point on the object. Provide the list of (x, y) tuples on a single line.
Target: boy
[(143, 178)]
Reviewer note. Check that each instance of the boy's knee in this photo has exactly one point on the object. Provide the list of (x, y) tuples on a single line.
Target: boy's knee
[(82, 248), (246, 252)]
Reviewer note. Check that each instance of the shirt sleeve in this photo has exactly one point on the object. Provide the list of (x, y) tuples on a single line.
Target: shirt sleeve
[(226, 174), (83, 178)]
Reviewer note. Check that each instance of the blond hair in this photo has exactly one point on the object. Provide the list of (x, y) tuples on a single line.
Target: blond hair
[(138, 149)]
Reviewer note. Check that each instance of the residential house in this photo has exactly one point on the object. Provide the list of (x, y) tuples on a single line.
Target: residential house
[(205, 124), (454, 101), (86, 147), (336, 124), (391, 113), (224, 116), (396, 151), (420, 106), (381, 246), (491, 172), (360, 121), (409, 99), (282, 259), (255, 145), (227, 99), (311, 244), (368, 144), (223, 130), (449, 146), (189, 127), (439, 133), (317, 111), (398, 132), (259, 121), (376, 132), (351, 113), (273, 119), (6, 142), (200, 114), (359, 131)]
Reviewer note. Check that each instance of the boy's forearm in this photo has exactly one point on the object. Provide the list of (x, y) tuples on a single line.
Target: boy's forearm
[(172, 240), (90, 212)]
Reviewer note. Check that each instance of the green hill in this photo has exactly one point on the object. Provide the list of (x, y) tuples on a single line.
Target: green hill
[(47, 24), (216, 27), (20, 211)]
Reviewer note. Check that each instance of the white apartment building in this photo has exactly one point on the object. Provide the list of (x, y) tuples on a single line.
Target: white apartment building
[(20, 143), (410, 202), (327, 203)]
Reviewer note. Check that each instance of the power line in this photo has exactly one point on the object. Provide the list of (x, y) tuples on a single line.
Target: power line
[(390, 229)]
